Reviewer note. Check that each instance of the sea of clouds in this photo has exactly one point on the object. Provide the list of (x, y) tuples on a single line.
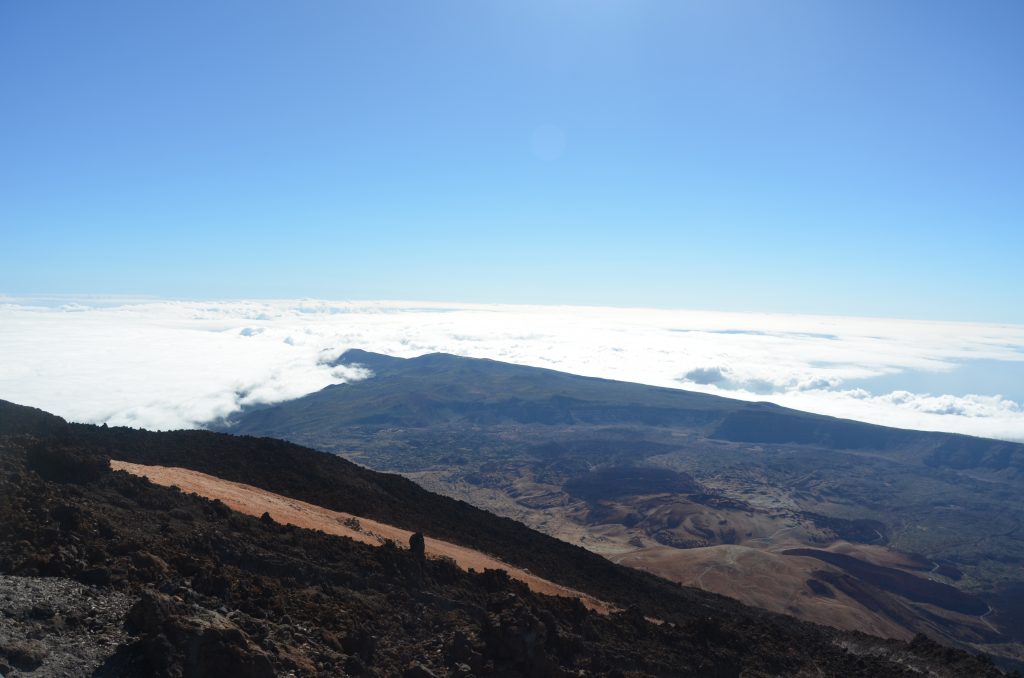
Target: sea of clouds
[(178, 364)]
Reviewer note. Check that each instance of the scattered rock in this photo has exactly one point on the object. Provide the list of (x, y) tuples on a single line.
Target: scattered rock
[(360, 643), (58, 626), (177, 638), (418, 670), (25, 655)]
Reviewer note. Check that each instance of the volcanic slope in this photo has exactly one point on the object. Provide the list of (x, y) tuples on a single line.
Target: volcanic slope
[(215, 591), (703, 490), (278, 508)]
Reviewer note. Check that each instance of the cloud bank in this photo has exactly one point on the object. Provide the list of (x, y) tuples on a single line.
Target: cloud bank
[(163, 364)]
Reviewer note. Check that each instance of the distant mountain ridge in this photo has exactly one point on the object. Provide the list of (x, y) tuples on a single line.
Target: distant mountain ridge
[(438, 388)]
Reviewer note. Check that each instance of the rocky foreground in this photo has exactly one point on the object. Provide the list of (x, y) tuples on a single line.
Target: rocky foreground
[(106, 574)]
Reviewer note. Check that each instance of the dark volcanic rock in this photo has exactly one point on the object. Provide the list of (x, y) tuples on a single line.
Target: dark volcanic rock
[(66, 465), (179, 639), (58, 627), (417, 545)]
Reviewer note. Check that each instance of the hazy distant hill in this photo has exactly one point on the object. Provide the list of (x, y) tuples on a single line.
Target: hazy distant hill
[(719, 493), (439, 388)]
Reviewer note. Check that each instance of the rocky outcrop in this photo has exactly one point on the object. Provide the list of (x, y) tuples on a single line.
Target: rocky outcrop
[(176, 638)]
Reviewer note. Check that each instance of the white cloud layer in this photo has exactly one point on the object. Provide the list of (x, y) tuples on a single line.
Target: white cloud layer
[(163, 364)]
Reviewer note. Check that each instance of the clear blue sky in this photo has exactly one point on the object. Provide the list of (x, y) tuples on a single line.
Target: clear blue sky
[(827, 157)]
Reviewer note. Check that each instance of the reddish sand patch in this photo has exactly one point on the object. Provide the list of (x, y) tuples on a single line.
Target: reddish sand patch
[(254, 501)]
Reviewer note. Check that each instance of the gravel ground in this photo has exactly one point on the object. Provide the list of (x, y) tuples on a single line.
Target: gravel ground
[(57, 627)]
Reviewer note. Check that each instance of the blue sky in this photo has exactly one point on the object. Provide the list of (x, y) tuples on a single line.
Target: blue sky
[(847, 158)]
